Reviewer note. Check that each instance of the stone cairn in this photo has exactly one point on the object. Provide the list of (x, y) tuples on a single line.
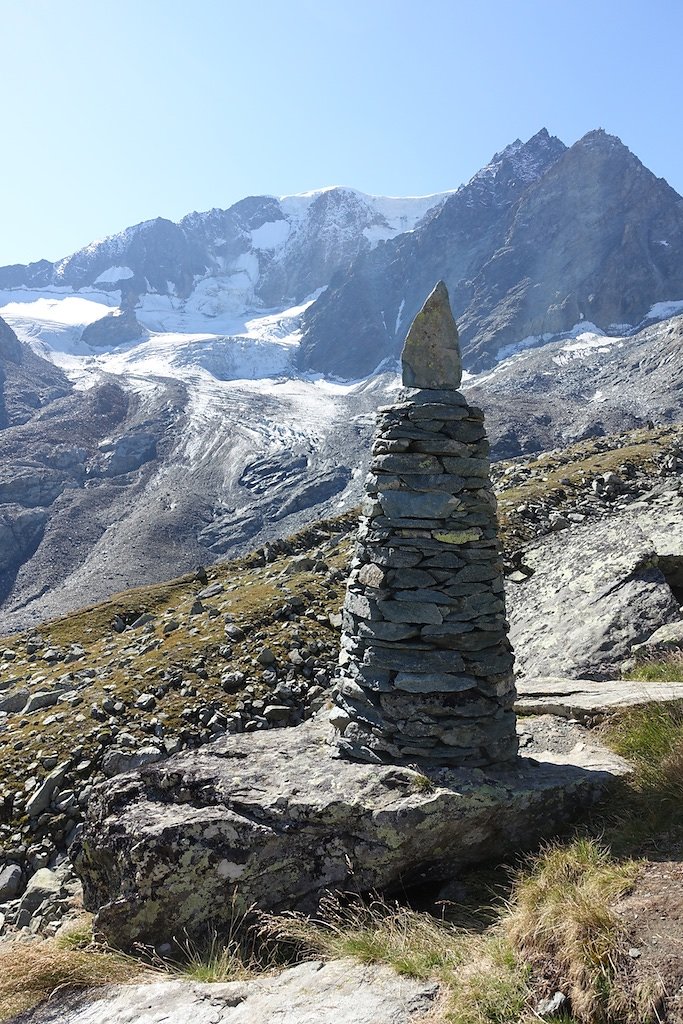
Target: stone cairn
[(426, 663)]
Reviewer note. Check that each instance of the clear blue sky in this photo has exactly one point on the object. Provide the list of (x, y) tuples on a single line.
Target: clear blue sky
[(116, 112)]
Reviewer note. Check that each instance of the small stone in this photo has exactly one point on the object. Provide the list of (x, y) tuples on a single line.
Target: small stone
[(146, 702), (10, 882), (265, 656), (41, 699), (234, 632), (277, 712), (398, 504), (552, 1005), (457, 536)]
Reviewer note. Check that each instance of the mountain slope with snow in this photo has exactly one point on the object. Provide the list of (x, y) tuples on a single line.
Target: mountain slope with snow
[(261, 253), (542, 238), (179, 392)]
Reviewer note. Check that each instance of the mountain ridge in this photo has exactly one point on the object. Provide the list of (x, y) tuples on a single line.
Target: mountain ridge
[(501, 280), (175, 431)]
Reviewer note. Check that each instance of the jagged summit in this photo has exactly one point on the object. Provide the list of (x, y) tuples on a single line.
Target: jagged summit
[(525, 159), (542, 238)]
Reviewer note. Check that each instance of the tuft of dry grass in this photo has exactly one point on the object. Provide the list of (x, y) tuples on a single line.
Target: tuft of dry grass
[(562, 917), (237, 953), (33, 971), (481, 979), (76, 934), (216, 960)]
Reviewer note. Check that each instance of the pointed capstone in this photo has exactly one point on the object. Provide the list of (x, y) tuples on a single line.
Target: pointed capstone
[(431, 353)]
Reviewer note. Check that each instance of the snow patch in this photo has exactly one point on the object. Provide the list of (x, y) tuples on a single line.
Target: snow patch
[(585, 344), (663, 310), (583, 329), (114, 274), (399, 315), (271, 235), (531, 341)]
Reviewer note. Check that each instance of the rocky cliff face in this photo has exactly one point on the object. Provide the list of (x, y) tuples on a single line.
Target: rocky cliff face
[(27, 382), (541, 239)]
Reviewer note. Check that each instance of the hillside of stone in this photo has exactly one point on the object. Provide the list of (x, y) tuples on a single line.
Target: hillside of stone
[(253, 644), (111, 487)]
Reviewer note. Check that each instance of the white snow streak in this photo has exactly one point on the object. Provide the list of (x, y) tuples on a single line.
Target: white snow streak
[(663, 310), (114, 274)]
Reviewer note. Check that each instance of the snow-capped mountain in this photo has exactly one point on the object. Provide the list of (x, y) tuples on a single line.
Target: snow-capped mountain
[(259, 254), (180, 392)]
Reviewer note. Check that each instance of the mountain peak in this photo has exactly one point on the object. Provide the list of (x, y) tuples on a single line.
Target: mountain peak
[(600, 140), (523, 161)]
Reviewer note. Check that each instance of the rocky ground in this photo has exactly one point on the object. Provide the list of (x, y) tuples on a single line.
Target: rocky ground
[(253, 645), (355, 993)]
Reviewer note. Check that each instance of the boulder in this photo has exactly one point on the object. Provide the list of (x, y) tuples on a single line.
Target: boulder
[(665, 640), (311, 993), (116, 761), (274, 820), (14, 701), (42, 886), (10, 882), (41, 797), (595, 591)]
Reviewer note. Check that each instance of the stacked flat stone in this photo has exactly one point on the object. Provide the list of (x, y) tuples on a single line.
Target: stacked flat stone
[(426, 663)]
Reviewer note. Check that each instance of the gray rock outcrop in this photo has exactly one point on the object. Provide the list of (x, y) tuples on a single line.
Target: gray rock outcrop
[(274, 820), (341, 991), (594, 593), (590, 700), (427, 667), (665, 640), (118, 328)]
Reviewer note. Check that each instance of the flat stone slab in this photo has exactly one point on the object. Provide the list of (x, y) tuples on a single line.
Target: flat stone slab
[(274, 820), (585, 699), (339, 992)]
